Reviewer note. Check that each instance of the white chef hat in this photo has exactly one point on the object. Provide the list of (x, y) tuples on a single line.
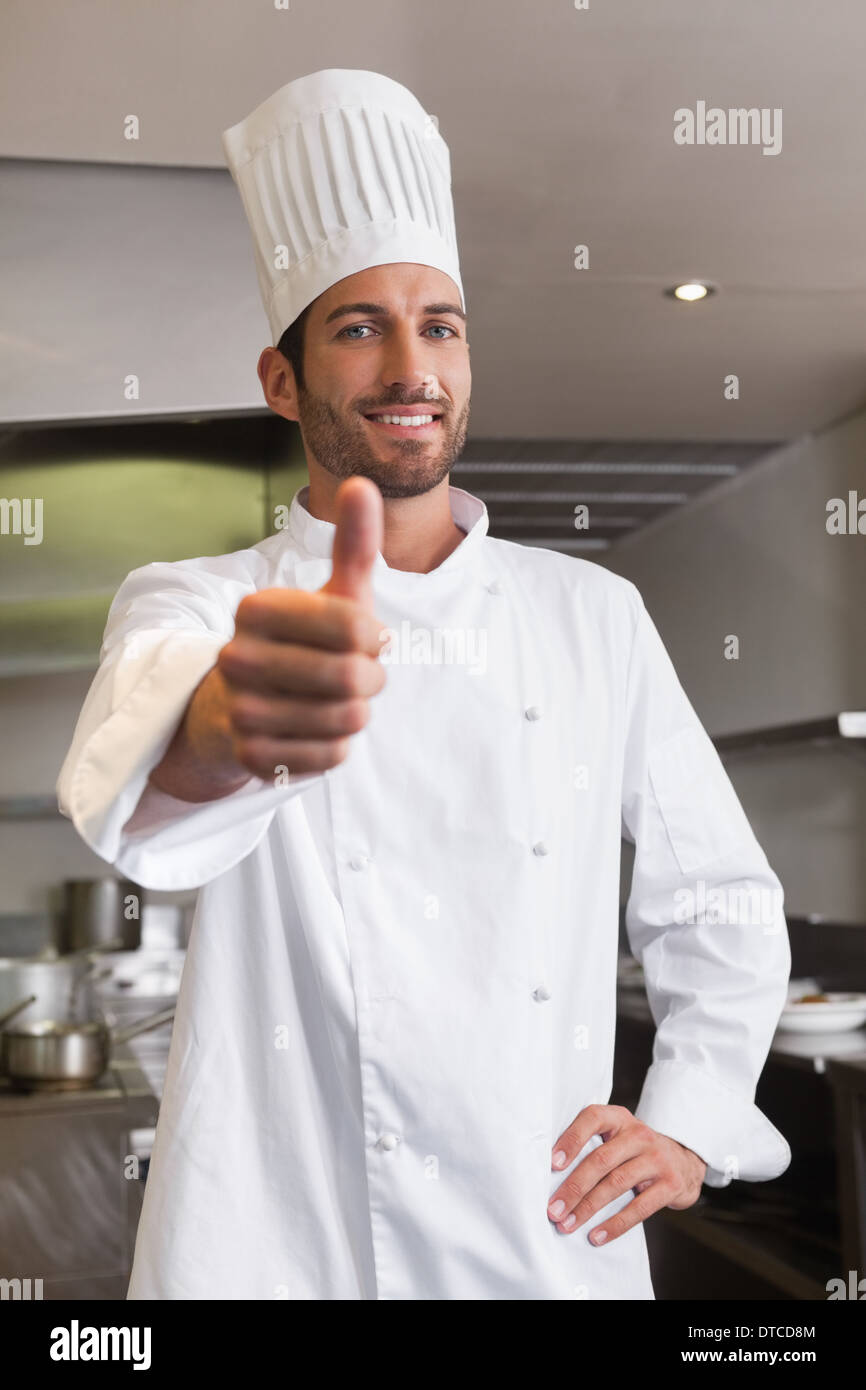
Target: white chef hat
[(337, 172)]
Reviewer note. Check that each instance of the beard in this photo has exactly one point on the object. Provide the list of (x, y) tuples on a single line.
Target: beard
[(399, 467)]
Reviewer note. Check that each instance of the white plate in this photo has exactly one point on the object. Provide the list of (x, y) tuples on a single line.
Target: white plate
[(841, 1013)]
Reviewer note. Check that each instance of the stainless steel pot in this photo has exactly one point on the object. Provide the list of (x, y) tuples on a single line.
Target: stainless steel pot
[(99, 911), (50, 1056), (62, 986)]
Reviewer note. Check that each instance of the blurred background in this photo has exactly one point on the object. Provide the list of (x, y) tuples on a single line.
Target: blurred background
[(712, 441)]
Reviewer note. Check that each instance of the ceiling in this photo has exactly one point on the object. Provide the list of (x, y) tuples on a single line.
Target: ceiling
[(122, 257)]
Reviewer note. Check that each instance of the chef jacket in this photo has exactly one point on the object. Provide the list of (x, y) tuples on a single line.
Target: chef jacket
[(400, 984)]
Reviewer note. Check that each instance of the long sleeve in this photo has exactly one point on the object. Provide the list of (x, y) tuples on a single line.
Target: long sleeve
[(705, 918), (165, 628)]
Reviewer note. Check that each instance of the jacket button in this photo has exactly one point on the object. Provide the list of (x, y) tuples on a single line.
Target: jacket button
[(388, 1141), (540, 848), (533, 712), (494, 587), (358, 861), (541, 993)]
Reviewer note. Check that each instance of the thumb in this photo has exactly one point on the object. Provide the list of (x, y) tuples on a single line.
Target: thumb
[(358, 538)]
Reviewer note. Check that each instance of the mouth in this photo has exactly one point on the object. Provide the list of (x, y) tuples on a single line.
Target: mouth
[(406, 423)]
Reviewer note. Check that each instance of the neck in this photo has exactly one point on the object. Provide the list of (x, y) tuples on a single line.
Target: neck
[(419, 532)]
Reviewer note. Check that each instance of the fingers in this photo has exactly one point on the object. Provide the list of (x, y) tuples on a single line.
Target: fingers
[(292, 707), (357, 540), (284, 717), (592, 1119), (266, 757), (301, 667), (256, 664), (574, 1204), (634, 1158), (592, 1171), (322, 620)]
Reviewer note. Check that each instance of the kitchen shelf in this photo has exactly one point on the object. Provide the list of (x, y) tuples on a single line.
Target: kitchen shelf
[(845, 730)]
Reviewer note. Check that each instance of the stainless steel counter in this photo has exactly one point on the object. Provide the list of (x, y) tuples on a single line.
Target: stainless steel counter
[(71, 1170)]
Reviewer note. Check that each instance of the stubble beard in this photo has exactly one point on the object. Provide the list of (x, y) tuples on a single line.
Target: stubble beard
[(343, 448)]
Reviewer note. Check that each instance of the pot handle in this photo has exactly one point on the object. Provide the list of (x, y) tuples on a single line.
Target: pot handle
[(144, 1025), (16, 1009)]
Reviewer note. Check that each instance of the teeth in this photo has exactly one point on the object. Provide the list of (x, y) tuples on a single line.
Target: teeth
[(405, 419)]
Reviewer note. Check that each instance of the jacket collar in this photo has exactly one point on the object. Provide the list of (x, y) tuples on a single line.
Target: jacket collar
[(314, 538)]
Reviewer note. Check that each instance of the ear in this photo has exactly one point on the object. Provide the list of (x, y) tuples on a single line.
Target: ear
[(278, 383)]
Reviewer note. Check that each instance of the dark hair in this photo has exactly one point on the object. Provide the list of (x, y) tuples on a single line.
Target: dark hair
[(291, 345)]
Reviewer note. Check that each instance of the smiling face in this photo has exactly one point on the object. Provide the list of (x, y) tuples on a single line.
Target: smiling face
[(387, 342)]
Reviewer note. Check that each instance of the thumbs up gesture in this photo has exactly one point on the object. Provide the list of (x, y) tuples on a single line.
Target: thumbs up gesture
[(301, 668)]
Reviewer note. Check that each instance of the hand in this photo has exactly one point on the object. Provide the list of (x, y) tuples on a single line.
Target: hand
[(301, 667), (661, 1171)]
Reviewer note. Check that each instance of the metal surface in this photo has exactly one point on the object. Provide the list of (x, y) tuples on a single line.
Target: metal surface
[(67, 1056), (71, 1200), (96, 914), (63, 987)]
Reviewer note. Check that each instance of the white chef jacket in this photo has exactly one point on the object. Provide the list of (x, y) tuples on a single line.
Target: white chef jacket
[(400, 985)]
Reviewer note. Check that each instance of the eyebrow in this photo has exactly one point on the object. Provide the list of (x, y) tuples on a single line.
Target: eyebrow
[(380, 311)]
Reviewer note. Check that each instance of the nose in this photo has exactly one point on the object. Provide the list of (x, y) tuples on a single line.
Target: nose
[(406, 368)]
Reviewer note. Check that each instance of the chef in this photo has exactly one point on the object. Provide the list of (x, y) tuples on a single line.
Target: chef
[(391, 1062)]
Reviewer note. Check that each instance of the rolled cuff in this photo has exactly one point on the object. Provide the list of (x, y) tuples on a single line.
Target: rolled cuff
[(728, 1131), (113, 753)]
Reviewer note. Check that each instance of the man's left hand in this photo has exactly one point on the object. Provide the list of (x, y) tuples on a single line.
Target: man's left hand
[(662, 1172)]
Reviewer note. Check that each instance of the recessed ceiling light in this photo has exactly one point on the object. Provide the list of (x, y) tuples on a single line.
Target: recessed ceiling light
[(691, 291)]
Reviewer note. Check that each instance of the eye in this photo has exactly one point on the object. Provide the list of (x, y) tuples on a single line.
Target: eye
[(351, 328)]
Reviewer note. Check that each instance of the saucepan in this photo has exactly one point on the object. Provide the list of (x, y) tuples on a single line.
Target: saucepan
[(51, 1056), (10, 1013), (62, 984)]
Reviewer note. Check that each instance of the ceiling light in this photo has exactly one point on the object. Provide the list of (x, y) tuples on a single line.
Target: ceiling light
[(691, 291)]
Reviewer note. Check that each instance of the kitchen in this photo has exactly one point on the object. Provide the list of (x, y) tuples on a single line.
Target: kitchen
[(706, 425)]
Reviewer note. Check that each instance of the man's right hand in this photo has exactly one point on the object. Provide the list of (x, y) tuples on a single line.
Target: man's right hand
[(294, 683), (301, 667)]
